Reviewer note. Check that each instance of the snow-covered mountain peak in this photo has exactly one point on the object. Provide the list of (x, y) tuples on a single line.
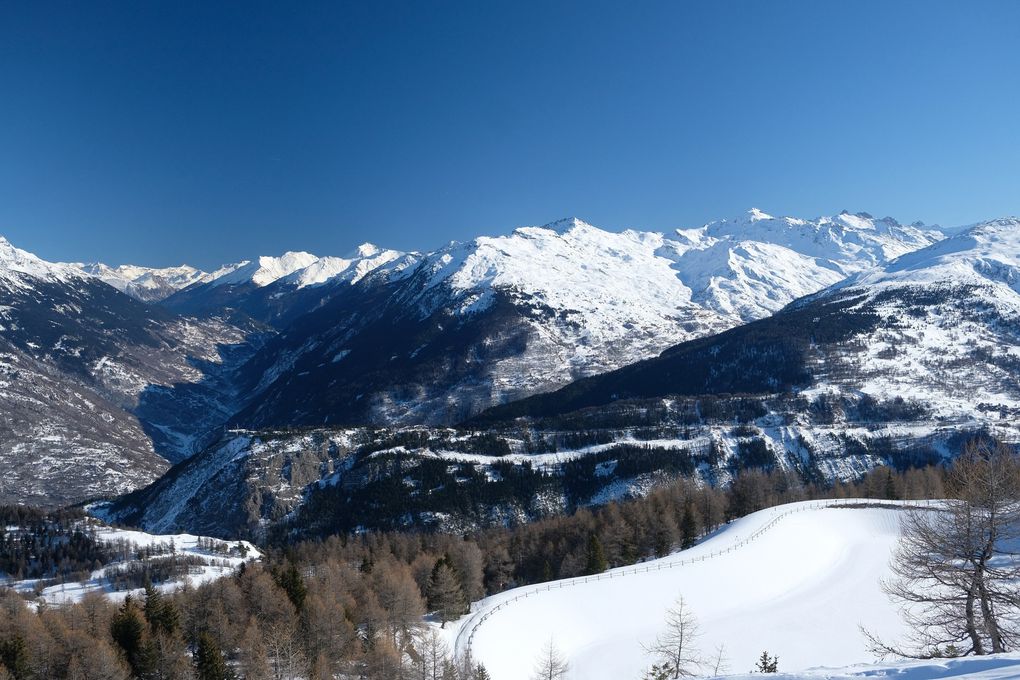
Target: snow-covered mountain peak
[(985, 253), (16, 263), (145, 283), (265, 270), (757, 215), (562, 226), (852, 242), (365, 250), (273, 268), (1004, 230), (366, 259)]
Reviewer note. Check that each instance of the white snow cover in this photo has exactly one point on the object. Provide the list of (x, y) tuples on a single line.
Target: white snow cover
[(991, 667), (953, 352), (217, 565), (353, 268), (18, 267), (723, 273), (596, 300), (266, 269), (986, 253), (145, 282), (738, 269), (799, 588), (853, 242)]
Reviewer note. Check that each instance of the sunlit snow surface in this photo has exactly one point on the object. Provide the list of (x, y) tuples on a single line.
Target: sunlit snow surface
[(993, 667), (799, 589), (216, 565)]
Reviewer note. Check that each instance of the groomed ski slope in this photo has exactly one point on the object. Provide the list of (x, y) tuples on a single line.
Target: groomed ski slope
[(796, 580)]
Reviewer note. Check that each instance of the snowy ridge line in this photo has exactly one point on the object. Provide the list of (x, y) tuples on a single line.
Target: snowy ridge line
[(466, 635)]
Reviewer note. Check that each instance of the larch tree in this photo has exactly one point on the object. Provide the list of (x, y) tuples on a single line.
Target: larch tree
[(432, 656), (955, 569), (675, 649), (551, 665)]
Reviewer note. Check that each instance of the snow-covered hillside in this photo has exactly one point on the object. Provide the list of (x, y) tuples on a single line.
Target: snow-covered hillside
[(479, 323), (379, 337), (266, 269), (202, 559), (950, 331), (796, 580), (739, 269), (97, 389), (18, 268), (755, 264), (351, 269)]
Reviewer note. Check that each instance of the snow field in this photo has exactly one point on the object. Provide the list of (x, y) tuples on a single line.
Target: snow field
[(217, 565), (796, 580), (992, 667)]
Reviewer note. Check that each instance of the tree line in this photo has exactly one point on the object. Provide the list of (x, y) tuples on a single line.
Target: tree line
[(353, 606)]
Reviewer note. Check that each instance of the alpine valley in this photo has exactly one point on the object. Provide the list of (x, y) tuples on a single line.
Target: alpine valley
[(549, 368), (501, 379)]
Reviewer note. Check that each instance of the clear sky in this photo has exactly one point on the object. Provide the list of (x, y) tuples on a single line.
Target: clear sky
[(163, 132)]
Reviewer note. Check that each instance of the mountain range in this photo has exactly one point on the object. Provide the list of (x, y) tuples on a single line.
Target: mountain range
[(119, 372)]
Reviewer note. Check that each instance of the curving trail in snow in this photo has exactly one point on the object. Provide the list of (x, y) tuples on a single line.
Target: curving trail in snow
[(796, 580)]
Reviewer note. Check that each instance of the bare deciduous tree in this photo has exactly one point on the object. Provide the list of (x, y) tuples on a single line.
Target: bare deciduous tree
[(955, 569), (550, 665), (675, 650), (431, 656), (720, 662)]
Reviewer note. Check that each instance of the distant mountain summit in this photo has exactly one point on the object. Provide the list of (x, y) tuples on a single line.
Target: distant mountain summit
[(449, 333), (938, 326), (20, 268), (145, 283), (133, 367), (80, 363)]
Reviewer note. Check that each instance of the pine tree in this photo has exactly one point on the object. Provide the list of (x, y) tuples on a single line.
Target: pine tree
[(688, 526), (445, 595), (596, 557), (14, 657), (290, 579), (767, 664), (129, 632), (209, 661), (890, 486), (160, 612)]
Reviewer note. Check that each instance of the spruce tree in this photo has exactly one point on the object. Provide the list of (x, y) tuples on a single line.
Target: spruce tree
[(768, 664), (129, 632), (596, 557), (890, 486), (445, 595), (160, 612), (688, 526), (209, 661), (14, 657), (290, 579)]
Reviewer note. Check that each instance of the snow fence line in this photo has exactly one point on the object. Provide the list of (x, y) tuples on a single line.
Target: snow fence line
[(464, 641)]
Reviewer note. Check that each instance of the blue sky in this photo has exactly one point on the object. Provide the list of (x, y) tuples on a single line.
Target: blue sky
[(164, 132)]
